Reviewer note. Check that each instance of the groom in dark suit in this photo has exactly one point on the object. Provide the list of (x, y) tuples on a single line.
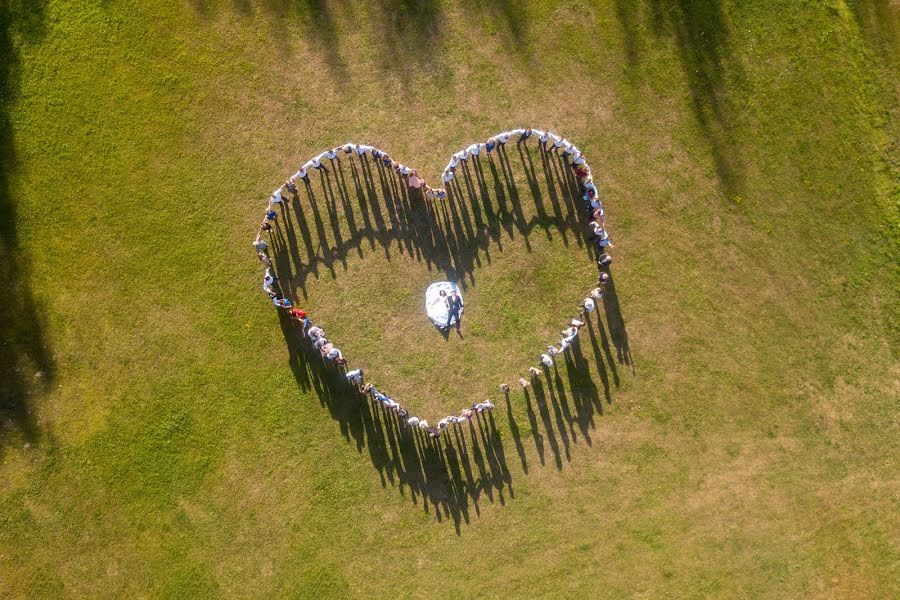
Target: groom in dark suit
[(454, 309)]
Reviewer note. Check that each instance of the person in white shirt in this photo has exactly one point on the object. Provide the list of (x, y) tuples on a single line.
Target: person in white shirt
[(333, 353), (552, 351), (413, 421), (301, 174), (602, 237), (474, 149), (404, 170), (317, 164), (355, 376), (332, 154), (448, 175), (524, 382), (454, 161), (503, 138), (564, 345), (320, 343), (260, 245), (589, 304), (545, 358), (269, 278), (534, 371), (315, 332), (362, 149), (559, 142)]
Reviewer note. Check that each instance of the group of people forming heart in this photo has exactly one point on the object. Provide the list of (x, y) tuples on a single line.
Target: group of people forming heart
[(315, 335)]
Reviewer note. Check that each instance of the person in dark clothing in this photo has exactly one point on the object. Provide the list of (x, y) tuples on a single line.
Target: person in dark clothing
[(454, 309)]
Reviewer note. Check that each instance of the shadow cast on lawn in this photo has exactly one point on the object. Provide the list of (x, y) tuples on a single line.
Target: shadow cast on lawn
[(357, 206), (453, 237), (408, 34), (701, 34), (25, 361)]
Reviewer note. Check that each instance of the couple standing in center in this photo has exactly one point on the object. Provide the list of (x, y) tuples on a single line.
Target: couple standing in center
[(454, 308)]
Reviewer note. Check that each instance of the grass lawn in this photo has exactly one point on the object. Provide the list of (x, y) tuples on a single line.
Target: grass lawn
[(727, 428)]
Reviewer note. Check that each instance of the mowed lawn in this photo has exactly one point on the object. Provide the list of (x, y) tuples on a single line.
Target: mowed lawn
[(729, 428)]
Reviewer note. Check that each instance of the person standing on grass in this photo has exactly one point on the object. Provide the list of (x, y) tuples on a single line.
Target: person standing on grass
[(300, 316), (317, 163), (291, 186), (454, 309), (276, 199), (355, 376), (543, 139)]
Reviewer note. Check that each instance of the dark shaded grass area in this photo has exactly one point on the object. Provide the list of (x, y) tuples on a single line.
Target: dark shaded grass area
[(700, 31), (25, 360)]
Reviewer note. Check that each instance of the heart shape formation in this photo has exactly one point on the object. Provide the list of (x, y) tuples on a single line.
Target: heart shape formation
[(314, 335)]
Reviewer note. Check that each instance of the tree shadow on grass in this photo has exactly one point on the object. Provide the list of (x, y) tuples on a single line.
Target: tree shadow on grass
[(25, 361), (879, 21), (408, 34), (359, 206), (701, 34)]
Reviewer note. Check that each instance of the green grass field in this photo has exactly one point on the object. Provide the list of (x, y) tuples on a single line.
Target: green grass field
[(728, 431)]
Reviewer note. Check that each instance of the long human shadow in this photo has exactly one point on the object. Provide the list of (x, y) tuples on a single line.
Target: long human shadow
[(379, 212), (450, 476), (359, 205), (26, 362)]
